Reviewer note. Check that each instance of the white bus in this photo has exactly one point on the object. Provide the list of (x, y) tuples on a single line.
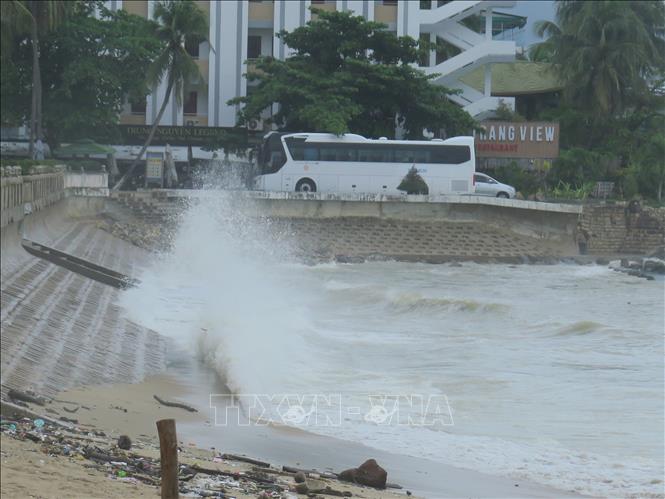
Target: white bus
[(320, 162)]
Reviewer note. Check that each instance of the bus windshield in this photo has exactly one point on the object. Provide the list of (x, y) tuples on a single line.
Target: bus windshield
[(271, 154)]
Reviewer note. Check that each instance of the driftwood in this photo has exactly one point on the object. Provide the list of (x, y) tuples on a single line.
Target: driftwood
[(213, 472), (69, 420), (174, 404), (99, 456), (71, 411), (272, 471), (322, 474), (255, 462), (25, 397)]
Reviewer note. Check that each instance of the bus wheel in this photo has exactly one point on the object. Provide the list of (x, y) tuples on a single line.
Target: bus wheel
[(502, 195), (305, 185)]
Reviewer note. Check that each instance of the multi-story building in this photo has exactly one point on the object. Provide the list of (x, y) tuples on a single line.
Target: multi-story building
[(242, 30)]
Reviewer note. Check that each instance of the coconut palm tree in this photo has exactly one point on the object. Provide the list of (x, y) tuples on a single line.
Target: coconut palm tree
[(181, 22), (606, 51), (34, 18), (544, 51)]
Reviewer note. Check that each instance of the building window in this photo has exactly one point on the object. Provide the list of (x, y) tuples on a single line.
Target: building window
[(315, 2), (138, 107), (253, 47), (190, 103), (390, 2), (192, 48)]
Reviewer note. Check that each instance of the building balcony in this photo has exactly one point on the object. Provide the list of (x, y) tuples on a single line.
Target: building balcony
[(386, 14), (261, 11), (136, 7)]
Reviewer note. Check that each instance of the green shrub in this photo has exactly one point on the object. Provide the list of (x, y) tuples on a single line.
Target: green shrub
[(413, 183), (564, 190), (577, 165), (525, 181)]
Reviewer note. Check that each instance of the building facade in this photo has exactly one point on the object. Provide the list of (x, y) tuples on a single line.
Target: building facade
[(242, 30)]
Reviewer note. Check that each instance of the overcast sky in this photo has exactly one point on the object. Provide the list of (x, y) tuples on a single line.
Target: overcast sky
[(534, 11)]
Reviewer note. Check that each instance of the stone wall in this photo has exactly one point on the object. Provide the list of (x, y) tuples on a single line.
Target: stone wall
[(429, 227), (23, 194), (415, 228), (618, 229)]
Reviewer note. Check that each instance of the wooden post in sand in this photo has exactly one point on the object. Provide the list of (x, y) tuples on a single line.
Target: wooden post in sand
[(168, 450)]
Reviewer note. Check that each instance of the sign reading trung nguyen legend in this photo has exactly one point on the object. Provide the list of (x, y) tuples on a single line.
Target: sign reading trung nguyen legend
[(502, 139)]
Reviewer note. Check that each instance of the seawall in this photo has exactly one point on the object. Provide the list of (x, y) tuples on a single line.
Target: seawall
[(59, 329), (426, 228)]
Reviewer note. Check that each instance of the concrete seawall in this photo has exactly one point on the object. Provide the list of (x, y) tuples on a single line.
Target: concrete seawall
[(406, 228), (60, 329)]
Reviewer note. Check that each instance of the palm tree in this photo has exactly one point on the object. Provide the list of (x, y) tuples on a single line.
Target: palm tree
[(181, 22), (36, 18), (544, 51), (606, 51)]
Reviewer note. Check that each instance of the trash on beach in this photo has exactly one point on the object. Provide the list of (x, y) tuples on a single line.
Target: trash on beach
[(38, 423)]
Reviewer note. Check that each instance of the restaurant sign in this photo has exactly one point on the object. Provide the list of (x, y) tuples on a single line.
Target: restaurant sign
[(503, 139)]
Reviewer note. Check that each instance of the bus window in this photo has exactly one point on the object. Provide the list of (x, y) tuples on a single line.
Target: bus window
[(311, 153), (451, 155), (346, 154), (327, 154), (403, 155), (380, 154), (296, 147)]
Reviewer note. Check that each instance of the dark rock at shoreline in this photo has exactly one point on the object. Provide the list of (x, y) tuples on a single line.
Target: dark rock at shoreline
[(369, 473), (349, 259), (602, 261), (124, 442), (299, 477), (655, 266)]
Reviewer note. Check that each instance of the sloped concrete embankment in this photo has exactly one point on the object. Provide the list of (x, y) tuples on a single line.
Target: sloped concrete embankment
[(60, 329)]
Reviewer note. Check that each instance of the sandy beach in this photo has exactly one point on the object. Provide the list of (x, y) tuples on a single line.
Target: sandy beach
[(29, 468), (102, 414)]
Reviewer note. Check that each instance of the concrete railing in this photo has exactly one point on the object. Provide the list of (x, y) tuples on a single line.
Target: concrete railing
[(91, 184), (23, 194)]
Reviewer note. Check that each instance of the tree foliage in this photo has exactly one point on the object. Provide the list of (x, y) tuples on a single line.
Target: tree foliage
[(33, 18), (347, 74), (180, 23), (610, 58), (88, 66), (607, 52)]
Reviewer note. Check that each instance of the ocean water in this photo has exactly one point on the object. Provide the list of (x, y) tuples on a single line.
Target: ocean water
[(548, 373)]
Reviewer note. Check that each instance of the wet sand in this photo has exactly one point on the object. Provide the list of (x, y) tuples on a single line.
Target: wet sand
[(277, 445)]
